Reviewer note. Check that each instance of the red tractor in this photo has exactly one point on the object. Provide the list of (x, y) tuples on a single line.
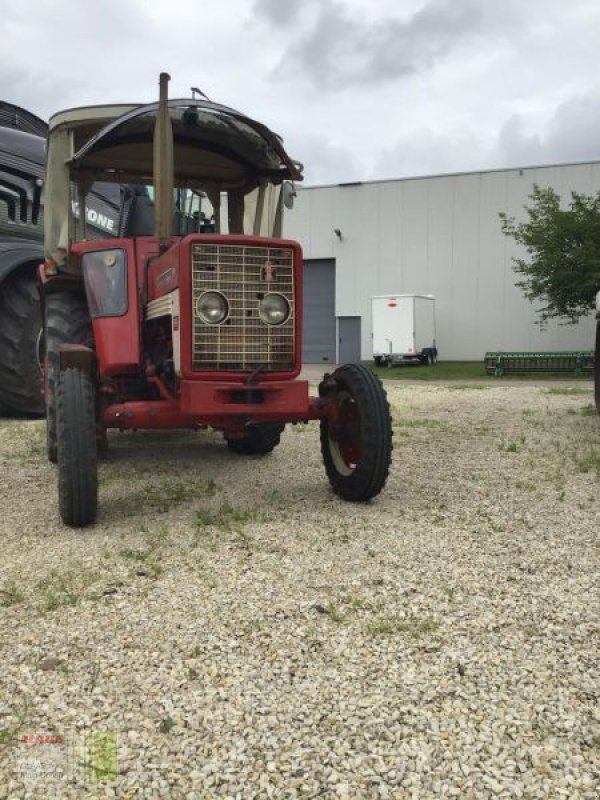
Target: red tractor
[(196, 322)]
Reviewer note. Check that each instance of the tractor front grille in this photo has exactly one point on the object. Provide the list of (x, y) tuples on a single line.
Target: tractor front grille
[(243, 274)]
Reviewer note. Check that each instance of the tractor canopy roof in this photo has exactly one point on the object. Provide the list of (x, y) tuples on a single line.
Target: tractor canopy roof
[(215, 149)]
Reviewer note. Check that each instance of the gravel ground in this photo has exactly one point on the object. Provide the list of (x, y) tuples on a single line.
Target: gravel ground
[(246, 634)]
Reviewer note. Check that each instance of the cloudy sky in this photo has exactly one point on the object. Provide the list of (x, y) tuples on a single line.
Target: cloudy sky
[(360, 89)]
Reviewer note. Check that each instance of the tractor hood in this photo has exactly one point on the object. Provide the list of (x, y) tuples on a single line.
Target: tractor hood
[(215, 149)]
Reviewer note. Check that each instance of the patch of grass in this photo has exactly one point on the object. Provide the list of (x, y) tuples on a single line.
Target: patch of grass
[(334, 615), (465, 370), (433, 424), (508, 447), (8, 734), (149, 557), (443, 370), (166, 725), (10, 595), (462, 386), (412, 626), (210, 488), (568, 391), (132, 554), (589, 410), (165, 496), (356, 603), (63, 589), (226, 518), (589, 462)]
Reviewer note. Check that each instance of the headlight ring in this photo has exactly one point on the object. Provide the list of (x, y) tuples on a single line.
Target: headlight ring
[(274, 309), (212, 308)]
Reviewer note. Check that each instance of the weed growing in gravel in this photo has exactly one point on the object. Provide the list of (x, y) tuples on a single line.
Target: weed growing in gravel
[(412, 626), (226, 518), (355, 602), (10, 595), (588, 410), (334, 615), (508, 447), (148, 558), (590, 462), (8, 734), (60, 589), (163, 497), (132, 554), (166, 496)]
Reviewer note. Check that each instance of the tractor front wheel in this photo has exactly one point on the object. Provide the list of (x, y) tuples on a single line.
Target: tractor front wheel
[(259, 440), (356, 440), (67, 321), (76, 439)]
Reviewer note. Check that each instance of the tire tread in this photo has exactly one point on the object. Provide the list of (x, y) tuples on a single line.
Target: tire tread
[(370, 474), (77, 457)]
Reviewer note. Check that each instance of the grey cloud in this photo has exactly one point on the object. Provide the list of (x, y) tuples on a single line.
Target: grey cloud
[(426, 152), (325, 161), (572, 134), (278, 12), (52, 58), (340, 48)]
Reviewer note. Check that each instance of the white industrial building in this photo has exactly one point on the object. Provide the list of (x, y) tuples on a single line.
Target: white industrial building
[(437, 235)]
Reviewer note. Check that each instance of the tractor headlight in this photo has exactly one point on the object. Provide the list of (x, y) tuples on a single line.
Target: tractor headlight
[(274, 309), (212, 308)]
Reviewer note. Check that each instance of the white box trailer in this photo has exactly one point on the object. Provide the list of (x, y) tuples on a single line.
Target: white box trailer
[(404, 328)]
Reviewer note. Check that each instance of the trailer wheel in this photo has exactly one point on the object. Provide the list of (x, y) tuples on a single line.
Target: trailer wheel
[(357, 445), (260, 439), (77, 457), (20, 341), (67, 321), (597, 368)]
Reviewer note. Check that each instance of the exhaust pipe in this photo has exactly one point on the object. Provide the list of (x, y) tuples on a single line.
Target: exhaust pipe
[(163, 168)]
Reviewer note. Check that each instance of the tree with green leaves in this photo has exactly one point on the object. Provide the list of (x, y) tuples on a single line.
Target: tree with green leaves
[(562, 245)]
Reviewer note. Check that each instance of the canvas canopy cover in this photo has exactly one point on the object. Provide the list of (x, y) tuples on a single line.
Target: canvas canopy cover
[(215, 149)]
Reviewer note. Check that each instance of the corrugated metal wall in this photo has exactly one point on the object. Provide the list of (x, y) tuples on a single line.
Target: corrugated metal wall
[(441, 236)]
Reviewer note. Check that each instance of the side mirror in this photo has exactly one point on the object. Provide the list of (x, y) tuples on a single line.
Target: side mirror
[(289, 192)]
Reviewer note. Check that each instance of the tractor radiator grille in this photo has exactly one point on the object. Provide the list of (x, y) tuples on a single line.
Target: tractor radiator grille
[(244, 341)]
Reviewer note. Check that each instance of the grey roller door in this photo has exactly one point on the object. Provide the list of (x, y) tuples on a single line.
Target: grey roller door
[(319, 312)]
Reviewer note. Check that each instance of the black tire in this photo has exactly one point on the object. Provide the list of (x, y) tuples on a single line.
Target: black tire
[(597, 368), (77, 457), (67, 321), (259, 441), (358, 470), (20, 337)]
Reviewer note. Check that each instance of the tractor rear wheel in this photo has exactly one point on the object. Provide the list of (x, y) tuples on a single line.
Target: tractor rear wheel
[(357, 443), (67, 321), (259, 440), (20, 339), (76, 438)]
